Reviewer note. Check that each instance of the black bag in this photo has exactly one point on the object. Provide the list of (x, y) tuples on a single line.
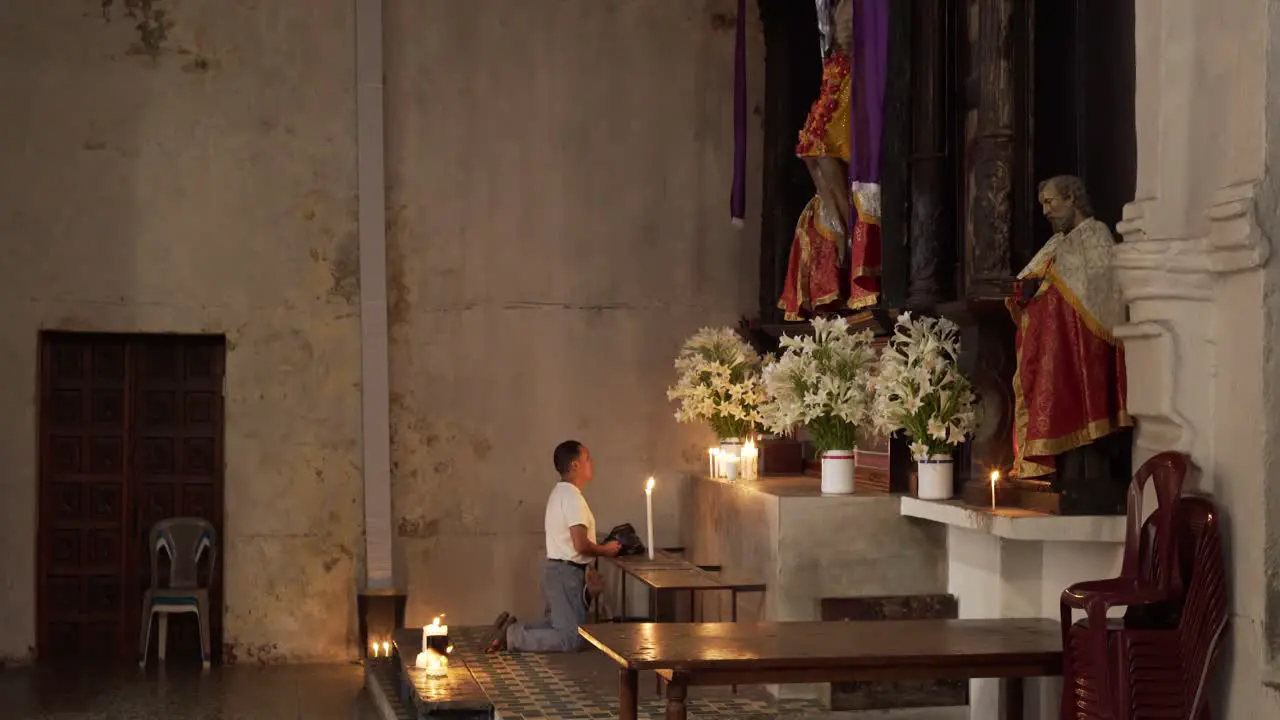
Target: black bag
[(627, 537)]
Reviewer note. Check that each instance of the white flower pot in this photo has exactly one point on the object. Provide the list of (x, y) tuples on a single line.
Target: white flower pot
[(935, 479), (728, 446), (837, 472)]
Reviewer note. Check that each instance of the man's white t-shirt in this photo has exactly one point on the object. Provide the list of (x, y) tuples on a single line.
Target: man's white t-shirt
[(565, 508)]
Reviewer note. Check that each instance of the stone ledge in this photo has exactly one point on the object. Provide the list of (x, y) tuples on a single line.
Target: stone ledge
[(1015, 524), (1271, 675)]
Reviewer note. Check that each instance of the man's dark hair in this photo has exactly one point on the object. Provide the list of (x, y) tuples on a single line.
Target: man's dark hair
[(566, 452)]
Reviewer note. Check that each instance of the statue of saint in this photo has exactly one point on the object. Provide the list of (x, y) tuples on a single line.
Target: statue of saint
[(1069, 388), (843, 129)]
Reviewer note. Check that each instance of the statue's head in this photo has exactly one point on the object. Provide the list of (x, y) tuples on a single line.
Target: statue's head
[(1065, 202), (843, 22)]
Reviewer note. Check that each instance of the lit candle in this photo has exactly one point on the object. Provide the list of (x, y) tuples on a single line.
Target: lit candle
[(435, 635), (386, 649), (436, 664), (995, 478), (373, 649), (711, 461), (648, 502), (731, 467), (750, 461)]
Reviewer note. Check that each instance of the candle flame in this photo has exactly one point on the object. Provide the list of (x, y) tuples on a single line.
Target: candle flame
[(386, 649), (436, 621), (448, 649), (995, 477), (649, 485)]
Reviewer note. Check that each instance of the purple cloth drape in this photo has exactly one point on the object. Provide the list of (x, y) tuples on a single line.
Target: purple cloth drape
[(870, 70), (738, 195)]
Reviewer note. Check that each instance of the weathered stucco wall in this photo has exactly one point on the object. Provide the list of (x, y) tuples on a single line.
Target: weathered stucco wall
[(211, 190), (558, 223), (558, 210)]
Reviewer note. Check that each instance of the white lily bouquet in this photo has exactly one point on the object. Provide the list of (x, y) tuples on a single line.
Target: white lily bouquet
[(719, 383), (920, 389), (823, 383)]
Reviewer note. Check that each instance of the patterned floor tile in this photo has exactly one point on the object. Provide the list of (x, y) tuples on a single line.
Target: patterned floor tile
[(530, 687)]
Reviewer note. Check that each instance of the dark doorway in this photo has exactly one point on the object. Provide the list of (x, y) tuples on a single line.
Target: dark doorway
[(131, 432)]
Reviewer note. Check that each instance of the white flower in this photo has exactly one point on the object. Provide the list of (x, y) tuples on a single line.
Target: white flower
[(718, 382), (823, 382), (920, 390)]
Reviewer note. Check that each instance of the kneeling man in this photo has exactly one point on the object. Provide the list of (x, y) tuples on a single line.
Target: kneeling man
[(571, 545)]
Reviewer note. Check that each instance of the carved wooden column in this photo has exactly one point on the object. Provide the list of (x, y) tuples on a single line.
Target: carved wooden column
[(931, 204), (991, 202), (991, 171)]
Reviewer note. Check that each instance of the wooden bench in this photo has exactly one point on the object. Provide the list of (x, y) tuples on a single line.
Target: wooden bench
[(456, 697), (687, 654), (668, 572)]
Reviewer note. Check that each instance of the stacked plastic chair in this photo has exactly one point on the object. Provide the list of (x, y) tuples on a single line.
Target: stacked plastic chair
[(1156, 661)]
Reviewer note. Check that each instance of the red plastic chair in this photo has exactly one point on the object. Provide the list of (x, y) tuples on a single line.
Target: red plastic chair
[(1156, 661)]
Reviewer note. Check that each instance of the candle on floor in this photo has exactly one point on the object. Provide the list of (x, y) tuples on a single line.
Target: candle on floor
[(373, 649), (386, 649), (648, 502), (712, 454), (436, 664), (435, 635), (995, 478)]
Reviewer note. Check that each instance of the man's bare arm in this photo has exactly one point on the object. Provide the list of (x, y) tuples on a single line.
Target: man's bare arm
[(584, 545)]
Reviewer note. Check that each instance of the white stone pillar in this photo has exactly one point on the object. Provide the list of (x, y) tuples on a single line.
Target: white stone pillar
[(1194, 268)]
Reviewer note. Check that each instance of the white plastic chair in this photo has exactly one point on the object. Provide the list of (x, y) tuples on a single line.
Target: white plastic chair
[(185, 540)]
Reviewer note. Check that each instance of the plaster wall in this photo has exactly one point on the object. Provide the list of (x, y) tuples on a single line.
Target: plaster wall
[(207, 190), (1196, 268), (558, 223), (558, 178)]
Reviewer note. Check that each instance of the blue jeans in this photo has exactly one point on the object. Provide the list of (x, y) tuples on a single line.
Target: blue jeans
[(564, 587)]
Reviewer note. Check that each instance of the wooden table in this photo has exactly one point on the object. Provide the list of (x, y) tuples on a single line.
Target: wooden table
[(668, 572), (687, 654)]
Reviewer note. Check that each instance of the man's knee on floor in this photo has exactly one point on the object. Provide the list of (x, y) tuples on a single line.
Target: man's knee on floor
[(574, 642)]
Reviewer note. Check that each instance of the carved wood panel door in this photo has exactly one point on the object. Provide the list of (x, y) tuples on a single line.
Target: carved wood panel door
[(131, 433), (177, 450)]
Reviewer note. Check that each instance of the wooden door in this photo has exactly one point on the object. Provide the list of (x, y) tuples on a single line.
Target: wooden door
[(83, 542), (130, 433), (177, 470)]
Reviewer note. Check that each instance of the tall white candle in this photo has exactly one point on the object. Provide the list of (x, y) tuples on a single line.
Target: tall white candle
[(648, 502), (711, 461), (731, 467)]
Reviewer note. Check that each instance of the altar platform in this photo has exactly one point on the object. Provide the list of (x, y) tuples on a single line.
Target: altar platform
[(808, 547)]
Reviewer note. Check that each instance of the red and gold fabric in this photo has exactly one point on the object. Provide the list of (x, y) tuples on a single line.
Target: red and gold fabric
[(864, 266), (813, 270), (826, 128), (1070, 386)]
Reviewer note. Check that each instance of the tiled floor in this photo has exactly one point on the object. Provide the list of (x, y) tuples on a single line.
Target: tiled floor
[(584, 687), (524, 687), (314, 692)]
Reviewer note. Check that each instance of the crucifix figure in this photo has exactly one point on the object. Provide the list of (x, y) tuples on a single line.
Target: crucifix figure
[(840, 146)]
